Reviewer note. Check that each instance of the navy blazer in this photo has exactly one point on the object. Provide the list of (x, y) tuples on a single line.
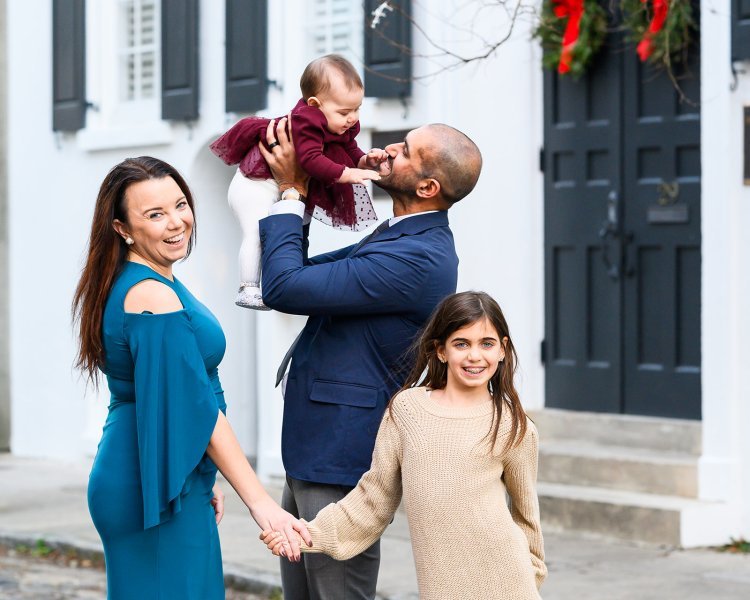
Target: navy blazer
[(366, 304)]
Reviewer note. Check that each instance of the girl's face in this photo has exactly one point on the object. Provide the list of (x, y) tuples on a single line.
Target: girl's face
[(472, 355), (339, 105), (159, 220)]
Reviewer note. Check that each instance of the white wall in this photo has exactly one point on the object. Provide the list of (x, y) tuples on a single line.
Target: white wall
[(725, 464)]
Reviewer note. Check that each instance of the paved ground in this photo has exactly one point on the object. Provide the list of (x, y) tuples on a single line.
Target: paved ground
[(24, 577), (47, 500)]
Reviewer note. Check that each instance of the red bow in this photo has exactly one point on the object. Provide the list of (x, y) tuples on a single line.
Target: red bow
[(646, 45), (573, 10)]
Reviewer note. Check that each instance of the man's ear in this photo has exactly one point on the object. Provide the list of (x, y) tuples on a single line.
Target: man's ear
[(428, 188), (313, 101)]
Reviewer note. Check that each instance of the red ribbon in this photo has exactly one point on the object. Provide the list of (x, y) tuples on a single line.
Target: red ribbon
[(573, 10), (646, 45)]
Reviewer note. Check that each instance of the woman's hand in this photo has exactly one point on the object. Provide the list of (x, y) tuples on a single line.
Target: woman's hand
[(282, 158), (271, 517), (218, 503), (276, 542)]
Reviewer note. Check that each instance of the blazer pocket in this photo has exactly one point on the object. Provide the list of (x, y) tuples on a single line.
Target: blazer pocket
[(348, 394)]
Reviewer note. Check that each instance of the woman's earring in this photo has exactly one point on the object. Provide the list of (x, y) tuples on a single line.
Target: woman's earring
[(129, 241)]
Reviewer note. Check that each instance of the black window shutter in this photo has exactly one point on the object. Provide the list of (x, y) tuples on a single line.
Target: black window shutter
[(388, 49), (246, 55), (68, 65), (740, 30), (179, 59)]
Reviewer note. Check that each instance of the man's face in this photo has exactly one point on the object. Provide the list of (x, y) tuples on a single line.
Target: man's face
[(403, 170)]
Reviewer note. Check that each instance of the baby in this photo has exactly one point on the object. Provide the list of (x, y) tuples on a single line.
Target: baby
[(325, 123)]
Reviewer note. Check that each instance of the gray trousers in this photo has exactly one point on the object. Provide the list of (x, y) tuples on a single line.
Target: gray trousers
[(318, 576)]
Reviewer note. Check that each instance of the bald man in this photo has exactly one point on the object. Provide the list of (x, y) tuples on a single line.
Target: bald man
[(366, 304)]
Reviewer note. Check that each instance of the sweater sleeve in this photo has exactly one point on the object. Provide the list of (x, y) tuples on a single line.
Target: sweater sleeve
[(520, 481), (350, 526)]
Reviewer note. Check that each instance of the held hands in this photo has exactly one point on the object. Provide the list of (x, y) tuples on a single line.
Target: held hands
[(276, 542), (275, 520), (357, 175)]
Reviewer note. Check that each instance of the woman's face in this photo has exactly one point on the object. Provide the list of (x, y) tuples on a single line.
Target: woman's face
[(159, 221)]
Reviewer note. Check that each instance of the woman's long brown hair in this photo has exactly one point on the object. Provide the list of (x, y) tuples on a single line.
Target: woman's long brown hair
[(107, 253), (454, 313)]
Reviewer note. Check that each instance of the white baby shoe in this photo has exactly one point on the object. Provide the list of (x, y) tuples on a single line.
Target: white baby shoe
[(250, 297)]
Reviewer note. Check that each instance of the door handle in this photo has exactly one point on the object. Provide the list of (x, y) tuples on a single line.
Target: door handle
[(610, 229)]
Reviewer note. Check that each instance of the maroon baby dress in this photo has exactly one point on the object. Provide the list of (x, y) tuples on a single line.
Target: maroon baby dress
[(322, 154)]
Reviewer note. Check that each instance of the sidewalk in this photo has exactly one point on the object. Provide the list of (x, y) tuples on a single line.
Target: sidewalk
[(43, 499)]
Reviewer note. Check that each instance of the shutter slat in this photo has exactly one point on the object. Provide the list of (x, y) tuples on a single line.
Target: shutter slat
[(388, 50), (68, 65), (740, 30), (179, 59), (246, 55)]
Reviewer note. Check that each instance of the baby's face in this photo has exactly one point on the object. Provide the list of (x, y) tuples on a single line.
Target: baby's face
[(340, 106)]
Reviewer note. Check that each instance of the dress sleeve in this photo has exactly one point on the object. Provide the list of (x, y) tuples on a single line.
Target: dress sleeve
[(176, 407), (308, 142), (520, 481), (351, 147), (350, 526)]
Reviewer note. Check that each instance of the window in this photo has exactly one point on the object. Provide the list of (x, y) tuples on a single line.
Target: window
[(139, 49), (336, 27), (123, 40)]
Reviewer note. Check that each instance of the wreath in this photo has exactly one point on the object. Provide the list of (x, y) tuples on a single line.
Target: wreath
[(571, 33), (662, 29)]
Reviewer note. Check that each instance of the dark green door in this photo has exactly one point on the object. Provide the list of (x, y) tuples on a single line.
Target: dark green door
[(622, 239)]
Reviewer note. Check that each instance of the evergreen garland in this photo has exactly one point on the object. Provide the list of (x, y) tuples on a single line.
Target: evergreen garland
[(670, 44), (593, 30)]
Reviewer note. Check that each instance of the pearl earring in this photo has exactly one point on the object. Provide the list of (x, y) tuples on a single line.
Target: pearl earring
[(129, 241)]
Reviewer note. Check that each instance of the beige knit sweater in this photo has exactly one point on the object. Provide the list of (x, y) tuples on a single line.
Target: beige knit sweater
[(467, 543)]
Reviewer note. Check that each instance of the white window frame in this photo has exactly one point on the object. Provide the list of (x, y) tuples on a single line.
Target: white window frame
[(323, 18), (114, 122)]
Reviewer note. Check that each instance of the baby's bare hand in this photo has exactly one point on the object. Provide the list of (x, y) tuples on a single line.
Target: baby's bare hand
[(374, 157), (358, 175)]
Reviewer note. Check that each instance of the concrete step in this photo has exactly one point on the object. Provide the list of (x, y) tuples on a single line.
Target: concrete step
[(633, 516), (650, 433), (618, 467)]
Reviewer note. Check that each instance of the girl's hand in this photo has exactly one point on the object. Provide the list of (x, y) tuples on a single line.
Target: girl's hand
[(271, 517), (276, 542), (218, 503), (357, 175), (373, 158)]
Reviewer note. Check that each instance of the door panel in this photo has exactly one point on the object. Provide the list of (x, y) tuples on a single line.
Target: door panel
[(622, 238), (662, 185), (581, 157)]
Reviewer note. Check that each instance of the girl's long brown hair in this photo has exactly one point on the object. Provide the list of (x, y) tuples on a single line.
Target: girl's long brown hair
[(107, 253), (454, 313)]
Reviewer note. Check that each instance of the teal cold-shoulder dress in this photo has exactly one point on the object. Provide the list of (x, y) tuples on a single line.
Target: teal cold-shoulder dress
[(150, 487)]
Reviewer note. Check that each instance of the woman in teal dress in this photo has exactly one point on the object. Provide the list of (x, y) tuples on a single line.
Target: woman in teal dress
[(151, 491)]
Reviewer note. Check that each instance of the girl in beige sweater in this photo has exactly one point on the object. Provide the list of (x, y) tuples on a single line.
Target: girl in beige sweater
[(453, 441)]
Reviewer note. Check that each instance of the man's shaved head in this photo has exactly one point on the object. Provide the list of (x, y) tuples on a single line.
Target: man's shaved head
[(453, 159)]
